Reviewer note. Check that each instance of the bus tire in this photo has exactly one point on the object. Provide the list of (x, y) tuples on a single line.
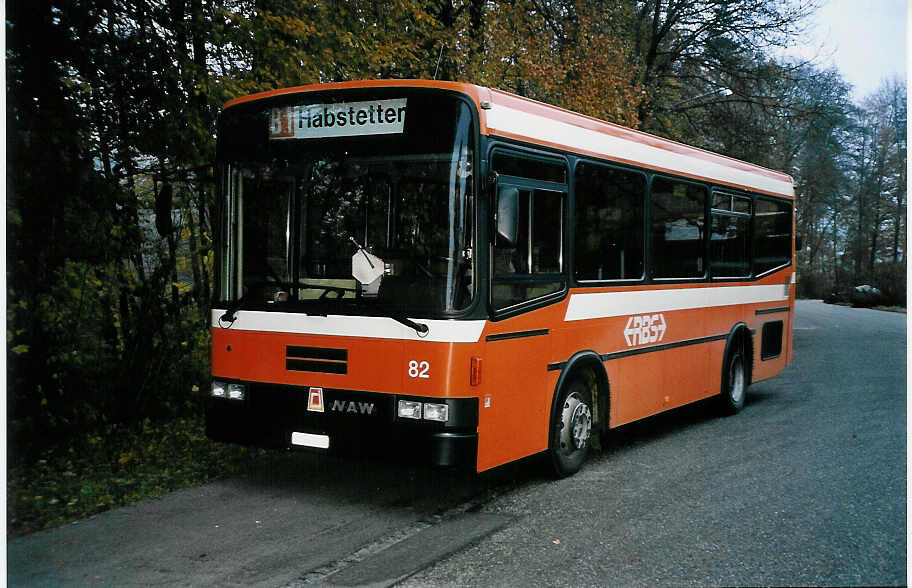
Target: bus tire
[(571, 427), (734, 378)]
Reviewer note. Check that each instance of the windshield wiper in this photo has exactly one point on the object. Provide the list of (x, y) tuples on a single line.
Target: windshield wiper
[(420, 328), (340, 290), (230, 315), (327, 288)]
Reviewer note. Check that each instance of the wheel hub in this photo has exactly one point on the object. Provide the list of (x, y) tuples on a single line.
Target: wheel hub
[(576, 423)]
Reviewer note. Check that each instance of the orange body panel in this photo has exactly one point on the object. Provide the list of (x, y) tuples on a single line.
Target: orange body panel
[(516, 379), (374, 365)]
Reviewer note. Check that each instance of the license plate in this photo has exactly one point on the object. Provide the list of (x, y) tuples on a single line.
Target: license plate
[(310, 440)]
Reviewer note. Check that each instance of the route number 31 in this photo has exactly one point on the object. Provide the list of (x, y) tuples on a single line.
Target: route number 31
[(419, 369)]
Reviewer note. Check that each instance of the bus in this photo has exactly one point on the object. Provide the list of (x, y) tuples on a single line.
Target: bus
[(468, 277)]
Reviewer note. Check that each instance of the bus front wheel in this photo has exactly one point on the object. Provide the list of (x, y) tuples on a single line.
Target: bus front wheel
[(734, 379), (571, 427)]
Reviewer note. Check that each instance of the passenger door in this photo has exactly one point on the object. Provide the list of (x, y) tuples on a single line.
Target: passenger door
[(528, 274)]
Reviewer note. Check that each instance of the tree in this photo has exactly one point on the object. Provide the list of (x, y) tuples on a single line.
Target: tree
[(850, 178), (560, 52), (684, 48), (102, 109), (269, 44), (878, 193), (818, 143)]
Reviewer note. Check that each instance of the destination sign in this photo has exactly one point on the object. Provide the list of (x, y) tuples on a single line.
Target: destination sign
[(342, 119)]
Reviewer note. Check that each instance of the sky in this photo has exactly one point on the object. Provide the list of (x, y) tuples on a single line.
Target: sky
[(864, 39)]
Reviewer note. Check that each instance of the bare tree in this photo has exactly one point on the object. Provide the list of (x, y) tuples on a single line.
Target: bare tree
[(686, 47)]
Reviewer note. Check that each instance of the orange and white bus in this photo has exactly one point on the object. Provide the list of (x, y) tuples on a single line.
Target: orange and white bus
[(475, 277)]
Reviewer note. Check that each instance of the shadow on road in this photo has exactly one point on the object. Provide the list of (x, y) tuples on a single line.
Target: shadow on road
[(677, 420)]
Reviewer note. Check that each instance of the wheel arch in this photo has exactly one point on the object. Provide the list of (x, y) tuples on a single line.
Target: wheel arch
[(579, 362), (738, 333)]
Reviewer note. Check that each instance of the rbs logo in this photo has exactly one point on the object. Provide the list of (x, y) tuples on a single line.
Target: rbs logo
[(644, 328)]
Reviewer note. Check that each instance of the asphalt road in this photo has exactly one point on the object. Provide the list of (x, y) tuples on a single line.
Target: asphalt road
[(806, 486)]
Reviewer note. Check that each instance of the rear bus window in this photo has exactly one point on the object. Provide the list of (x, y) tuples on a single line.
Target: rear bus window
[(772, 234)]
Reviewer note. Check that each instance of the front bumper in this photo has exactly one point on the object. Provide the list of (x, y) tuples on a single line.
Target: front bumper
[(355, 422)]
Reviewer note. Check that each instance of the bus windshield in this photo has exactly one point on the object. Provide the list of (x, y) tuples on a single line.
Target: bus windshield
[(358, 220)]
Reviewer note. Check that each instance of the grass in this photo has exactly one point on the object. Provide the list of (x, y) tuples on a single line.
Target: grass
[(899, 309), (97, 472)]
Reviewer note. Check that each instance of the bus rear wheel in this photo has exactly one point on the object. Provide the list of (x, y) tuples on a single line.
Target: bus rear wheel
[(734, 380), (571, 427)]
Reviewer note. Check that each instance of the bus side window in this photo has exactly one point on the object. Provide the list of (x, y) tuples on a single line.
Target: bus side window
[(729, 256), (513, 257), (531, 266), (772, 234), (509, 164), (609, 210), (676, 231)]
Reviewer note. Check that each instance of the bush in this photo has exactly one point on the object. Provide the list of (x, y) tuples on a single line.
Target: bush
[(834, 297)]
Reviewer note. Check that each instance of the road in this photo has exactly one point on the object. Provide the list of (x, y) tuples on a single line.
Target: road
[(807, 485)]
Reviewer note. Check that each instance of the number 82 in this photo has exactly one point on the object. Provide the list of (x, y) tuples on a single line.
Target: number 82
[(419, 369)]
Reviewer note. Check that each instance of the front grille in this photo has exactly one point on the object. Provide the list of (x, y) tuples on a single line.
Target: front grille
[(322, 360)]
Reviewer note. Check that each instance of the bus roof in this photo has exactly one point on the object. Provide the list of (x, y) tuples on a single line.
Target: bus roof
[(508, 115)]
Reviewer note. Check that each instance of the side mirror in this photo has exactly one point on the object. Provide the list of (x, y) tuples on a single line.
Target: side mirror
[(508, 214), (799, 242)]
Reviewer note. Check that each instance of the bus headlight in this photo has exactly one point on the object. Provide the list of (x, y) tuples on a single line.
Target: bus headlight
[(219, 389), (409, 409), (236, 391), (436, 412)]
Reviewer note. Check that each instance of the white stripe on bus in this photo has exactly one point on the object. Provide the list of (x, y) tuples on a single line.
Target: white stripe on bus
[(441, 331), (612, 304), (580, 307), (525, 124)]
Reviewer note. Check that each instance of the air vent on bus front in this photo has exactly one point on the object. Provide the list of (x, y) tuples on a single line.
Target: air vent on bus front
[(316, 359)]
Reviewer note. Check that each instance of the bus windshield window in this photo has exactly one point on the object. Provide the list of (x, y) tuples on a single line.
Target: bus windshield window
[(301, 215)]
